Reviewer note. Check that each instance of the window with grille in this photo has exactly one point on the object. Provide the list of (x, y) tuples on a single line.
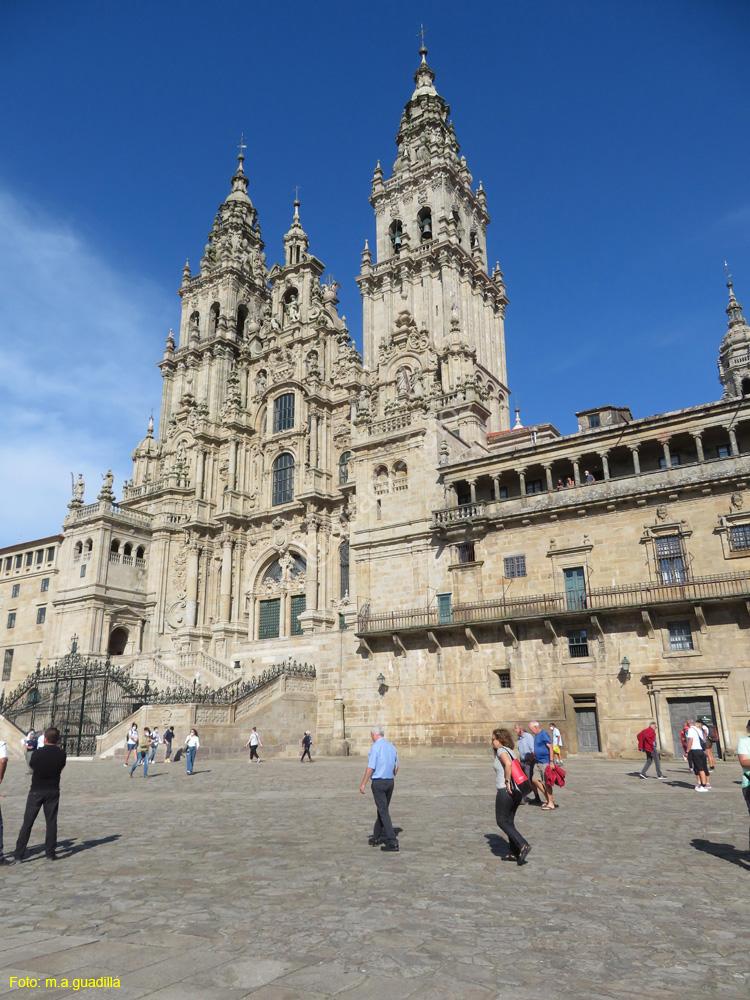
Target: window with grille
[(595, 420), (445, 611), (739, 537), (45, 585), (83, 570), (268, 622), (12, 620), (578, 642), (283, 412), (283, 479), (503, 677), (467, 553), (16, 590), (680, 636), (514, 566), (534, 486), (41, 615), (298, 605), (7, 664), (670, 558), (344, 461), (343, 569)]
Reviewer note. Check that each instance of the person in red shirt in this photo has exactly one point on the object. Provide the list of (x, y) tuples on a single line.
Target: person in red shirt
[(647, 744)]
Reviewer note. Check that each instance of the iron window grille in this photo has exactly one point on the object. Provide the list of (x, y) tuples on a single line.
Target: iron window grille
[(7, 664), (343, 570), (12, 620), (283, 479), (467, 553), (283, 412), (680, 636), (595, 420), (670, 557), (503, 677), (578, 643), (41, 615), (297, 605), (515, 566), (45, 585), (344, 467), (16, 590), (268, 619), (739, 537)]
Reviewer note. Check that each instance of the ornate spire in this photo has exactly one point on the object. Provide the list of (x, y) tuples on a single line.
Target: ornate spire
[(424, 77), (296, 241), (734, 309), (239, 180)]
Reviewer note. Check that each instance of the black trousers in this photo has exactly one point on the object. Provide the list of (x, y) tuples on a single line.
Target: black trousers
[(505, 813), (305, 751), (382, 790), (38, 799), (254, 751)]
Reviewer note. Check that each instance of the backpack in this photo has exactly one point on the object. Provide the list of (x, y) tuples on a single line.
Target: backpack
[(707, 739), (712, 734)]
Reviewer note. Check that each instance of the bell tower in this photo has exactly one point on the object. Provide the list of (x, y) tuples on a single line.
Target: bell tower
[(431, 249)]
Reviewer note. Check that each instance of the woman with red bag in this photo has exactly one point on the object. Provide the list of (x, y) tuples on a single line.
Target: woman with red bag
[(508, 795)]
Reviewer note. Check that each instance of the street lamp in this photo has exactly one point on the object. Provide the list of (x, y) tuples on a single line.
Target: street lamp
[(624, 674), (382, 686)]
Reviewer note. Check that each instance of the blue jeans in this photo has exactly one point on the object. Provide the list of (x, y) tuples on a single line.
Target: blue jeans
[(190, 756), (141, 757)]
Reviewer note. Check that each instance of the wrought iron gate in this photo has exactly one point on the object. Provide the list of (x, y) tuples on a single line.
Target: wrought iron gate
[(81, 697)]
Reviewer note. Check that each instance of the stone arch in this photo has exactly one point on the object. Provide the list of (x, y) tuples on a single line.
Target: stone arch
[(118, 640)]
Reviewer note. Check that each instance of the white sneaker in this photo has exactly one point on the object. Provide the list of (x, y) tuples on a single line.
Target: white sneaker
[(661, 778), (644, 776)]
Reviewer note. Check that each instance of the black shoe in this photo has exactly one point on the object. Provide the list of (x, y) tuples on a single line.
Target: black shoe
[(374, 841), (389, 847), (7, 861), (52, 857), (523, 853)]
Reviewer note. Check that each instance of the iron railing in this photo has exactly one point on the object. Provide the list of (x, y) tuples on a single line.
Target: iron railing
[(706, 588)]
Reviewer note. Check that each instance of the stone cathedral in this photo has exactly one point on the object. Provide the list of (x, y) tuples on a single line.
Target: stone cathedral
[(382, 519)]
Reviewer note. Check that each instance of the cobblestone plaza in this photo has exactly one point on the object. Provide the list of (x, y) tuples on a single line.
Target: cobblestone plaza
[(257, 881)]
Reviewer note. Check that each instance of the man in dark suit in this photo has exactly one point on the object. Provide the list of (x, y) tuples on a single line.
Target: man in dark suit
[(46, 764)]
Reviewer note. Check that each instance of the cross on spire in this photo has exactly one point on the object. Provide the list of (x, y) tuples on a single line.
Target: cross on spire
[(728, 273), (422, 32), (296, 192), (242, 145)]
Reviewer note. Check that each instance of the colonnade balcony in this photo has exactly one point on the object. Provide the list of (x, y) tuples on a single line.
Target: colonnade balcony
[(576, 605)]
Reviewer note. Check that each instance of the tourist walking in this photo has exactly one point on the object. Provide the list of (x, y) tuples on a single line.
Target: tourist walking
[(708, 742), (47, 764), (544, 758), (254, 742), (29, 744), (525, 745), (557, 742), (155, 741), (381, 770), (697, 755), (507, 797), (3, 766), (144, 749), (647, 744), (743, 755), (191, 748), (168, 737), (131, 743), (306, 744)]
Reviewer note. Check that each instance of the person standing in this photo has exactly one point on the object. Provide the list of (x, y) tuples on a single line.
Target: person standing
[(381, 771), (155, 741), (29, 743), (47, 764), (697, 755), (168, 737), (544, 758), (507, 797), (708, 743), (743, 755), (144, 749), (131, 743), (647, 744), (191, 748), (306, 744), (3, 766), (525, 745), (254, 742), (557, 742)]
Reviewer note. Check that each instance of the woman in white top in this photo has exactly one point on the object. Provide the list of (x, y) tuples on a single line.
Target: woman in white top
[(191, 745), (507, 797), (131, 742)]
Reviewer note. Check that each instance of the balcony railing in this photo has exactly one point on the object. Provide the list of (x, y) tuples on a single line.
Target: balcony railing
[(697, 590)]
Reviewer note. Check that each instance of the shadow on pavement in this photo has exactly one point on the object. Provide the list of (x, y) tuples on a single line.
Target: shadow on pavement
[(68, 847), (727, 852), (499, 847)]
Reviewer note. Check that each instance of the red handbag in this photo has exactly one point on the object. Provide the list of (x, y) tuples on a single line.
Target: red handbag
[(518, 775)]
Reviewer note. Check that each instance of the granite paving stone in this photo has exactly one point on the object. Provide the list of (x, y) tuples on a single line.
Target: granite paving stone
[(259, 883)]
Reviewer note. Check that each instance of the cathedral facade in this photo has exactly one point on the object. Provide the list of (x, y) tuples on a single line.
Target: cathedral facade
[(381, 517)]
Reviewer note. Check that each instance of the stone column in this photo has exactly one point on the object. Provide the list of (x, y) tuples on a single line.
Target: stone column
[(473, 490), (522, 481), (191, 609), (496, 484), (548, 474), (453, 494), (311, 595), (636, 459), (605, 463), (251, 617), (314, 439), (225, 592), (667, 455), (199, 474), (232, 477), (576, 471), (733, 440), (699, 445), (338, 717)]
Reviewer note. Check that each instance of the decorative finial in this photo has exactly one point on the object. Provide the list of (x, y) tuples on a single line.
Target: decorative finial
[(729, 276), (150, 430), (242, 146), (518, 425), (296, 203)]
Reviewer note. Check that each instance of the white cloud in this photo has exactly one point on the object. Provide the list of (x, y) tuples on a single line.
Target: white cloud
[(79, 339)]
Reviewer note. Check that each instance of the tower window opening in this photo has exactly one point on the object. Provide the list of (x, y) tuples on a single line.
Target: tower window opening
[(241, 320), (746, 387), (457, 220), (283, 479), (344, 570), (213, 320), (473, 241), (283, 412), (396, 233), (425, 224)]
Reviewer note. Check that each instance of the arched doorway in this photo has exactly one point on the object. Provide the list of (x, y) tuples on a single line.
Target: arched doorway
[(118, 640)]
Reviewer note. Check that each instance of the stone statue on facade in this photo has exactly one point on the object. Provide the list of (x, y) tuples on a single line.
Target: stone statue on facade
[(107, 493)]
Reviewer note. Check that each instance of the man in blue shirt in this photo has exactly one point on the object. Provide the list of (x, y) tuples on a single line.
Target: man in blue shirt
[(525, 745), (544, 758), (382, 768)]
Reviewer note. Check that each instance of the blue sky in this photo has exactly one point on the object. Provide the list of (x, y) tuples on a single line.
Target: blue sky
[(612, 138)]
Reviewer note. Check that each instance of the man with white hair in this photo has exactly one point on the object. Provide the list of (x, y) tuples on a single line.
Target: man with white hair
[(382, 768)]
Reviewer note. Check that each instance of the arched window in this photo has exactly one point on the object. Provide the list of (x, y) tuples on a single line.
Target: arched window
[(344, 461), (396, 233), (457, 219), (283, 412), (195, 324), (115, 546), (381, 479), (290, 305), (344, 570), (89, 545), (241, 320), (283, 479), (213, 319), (425, 224), (400, 477), (118, 640), (140, 554), (127, 549), (473, 241), (273, 573)]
